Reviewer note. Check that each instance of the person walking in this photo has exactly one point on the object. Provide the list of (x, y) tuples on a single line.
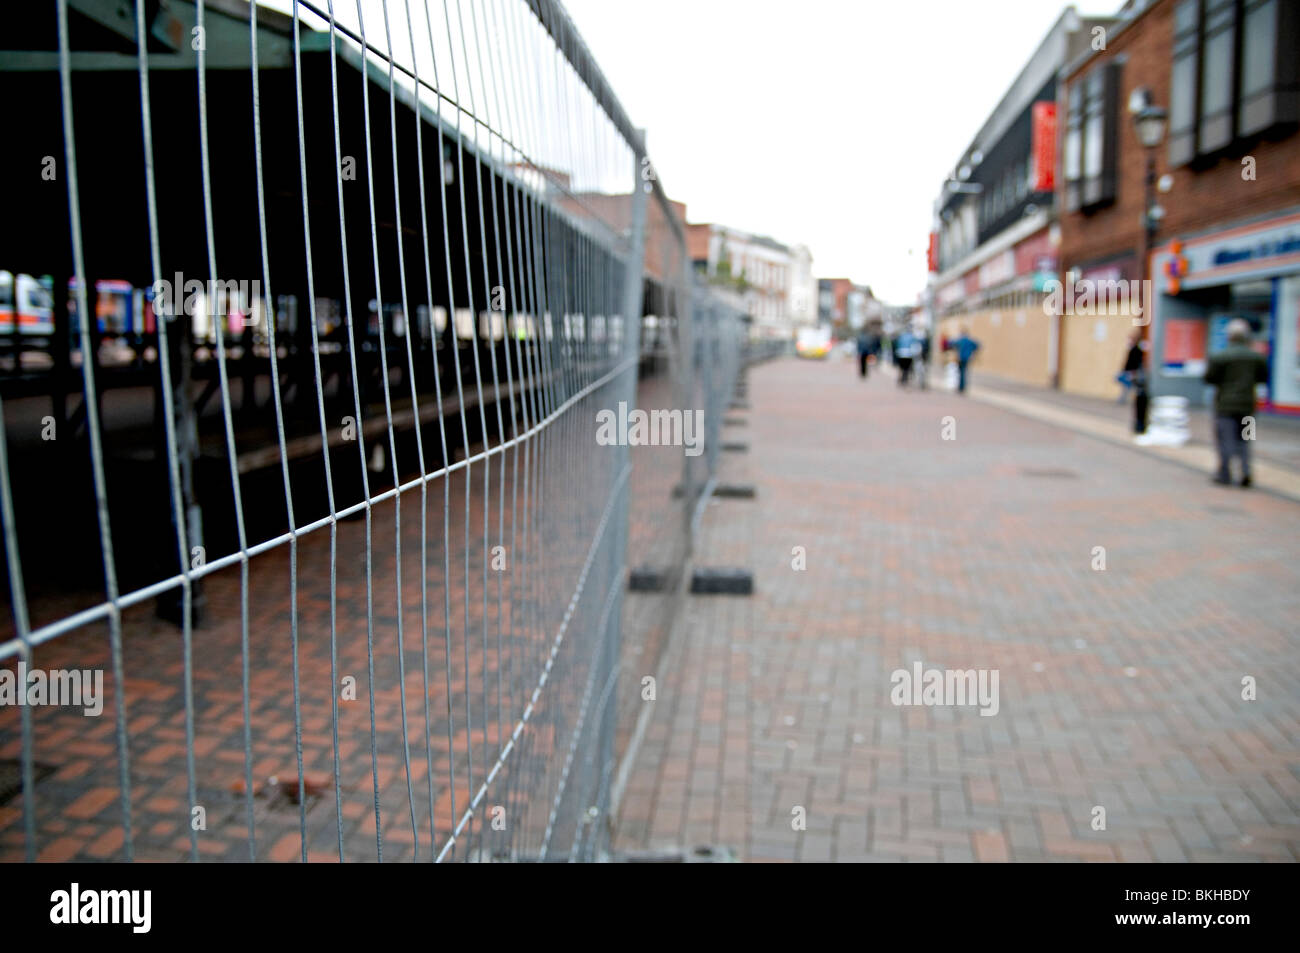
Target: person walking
[(905, 349), (864, 352), (923, 358), (964, 347), (1234, 372), (1133, 361)]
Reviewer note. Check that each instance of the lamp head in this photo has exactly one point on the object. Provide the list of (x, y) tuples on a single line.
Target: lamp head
[(1151, 125)]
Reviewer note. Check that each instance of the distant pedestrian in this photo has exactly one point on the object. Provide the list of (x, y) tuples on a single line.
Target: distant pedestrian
[(906, 348), (1235, 371), (923, 358), (864, 352), (964, 347)]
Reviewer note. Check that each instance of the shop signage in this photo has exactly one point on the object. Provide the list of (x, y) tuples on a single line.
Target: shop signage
[(1044, 146), (1197, 259)]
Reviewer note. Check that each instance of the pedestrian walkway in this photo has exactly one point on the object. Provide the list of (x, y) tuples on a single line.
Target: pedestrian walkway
[(1276, 451), (1121, 732)]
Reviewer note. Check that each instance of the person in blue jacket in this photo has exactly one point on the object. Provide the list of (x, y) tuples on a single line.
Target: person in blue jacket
[(965, 347)]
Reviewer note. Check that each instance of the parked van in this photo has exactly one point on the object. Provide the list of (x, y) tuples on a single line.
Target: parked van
[(29, 300)]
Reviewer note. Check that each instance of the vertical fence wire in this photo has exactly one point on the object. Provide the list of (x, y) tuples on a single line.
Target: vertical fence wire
[(95, 440)]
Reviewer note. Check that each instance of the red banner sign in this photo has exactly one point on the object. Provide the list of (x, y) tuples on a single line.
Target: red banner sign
[(1044, 146)]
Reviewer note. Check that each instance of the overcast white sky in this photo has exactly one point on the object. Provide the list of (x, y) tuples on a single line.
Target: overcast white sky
[(826, 122)]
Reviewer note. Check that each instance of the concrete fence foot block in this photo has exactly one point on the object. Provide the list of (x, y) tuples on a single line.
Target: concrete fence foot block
[(702, 854), (713, 580), (735, 491), (647, 579)]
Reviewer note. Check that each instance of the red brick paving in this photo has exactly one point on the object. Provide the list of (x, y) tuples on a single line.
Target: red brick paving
[(83, 750), (1118, 689)]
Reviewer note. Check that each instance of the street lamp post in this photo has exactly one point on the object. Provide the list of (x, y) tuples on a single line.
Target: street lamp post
[(1150, 122)]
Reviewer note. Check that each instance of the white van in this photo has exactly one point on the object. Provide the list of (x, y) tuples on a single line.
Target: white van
[(813, 342), (30, 300)]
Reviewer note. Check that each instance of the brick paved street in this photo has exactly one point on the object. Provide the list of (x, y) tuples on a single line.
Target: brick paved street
[(1119, 689)]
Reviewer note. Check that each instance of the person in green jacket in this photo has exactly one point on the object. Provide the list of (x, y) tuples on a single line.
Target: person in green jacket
[(1235, 371)]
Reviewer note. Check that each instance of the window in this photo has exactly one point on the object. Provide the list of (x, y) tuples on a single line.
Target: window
[(1234, 75), (1074, 148), (1218, 76), (1094, 136), (1183, 106), (1091, 128), (38, 298), (1269, 72), (1100, 116)]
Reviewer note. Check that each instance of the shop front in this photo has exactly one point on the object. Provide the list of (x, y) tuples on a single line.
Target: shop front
[(1000, 303), (1249, 271), (1095, 336)]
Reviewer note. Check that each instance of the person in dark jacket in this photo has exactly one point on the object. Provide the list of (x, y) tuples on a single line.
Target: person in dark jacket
[(864, 352), (1134, 375), (1132, 369), (1235, 371), (923, 359)]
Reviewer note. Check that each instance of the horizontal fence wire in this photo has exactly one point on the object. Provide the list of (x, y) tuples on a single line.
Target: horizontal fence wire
[(311, 535)]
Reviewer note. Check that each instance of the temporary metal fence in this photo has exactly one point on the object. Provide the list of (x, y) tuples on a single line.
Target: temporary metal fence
[(352, 567)]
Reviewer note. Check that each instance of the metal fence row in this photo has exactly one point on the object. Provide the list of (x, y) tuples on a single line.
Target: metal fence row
[(306, 464)]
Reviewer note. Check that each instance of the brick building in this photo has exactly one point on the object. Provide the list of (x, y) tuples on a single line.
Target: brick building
[(773, 280), (1228, 241), (614, 211), (847, 307)]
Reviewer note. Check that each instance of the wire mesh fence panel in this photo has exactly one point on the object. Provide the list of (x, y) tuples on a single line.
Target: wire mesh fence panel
[(314, 532)]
